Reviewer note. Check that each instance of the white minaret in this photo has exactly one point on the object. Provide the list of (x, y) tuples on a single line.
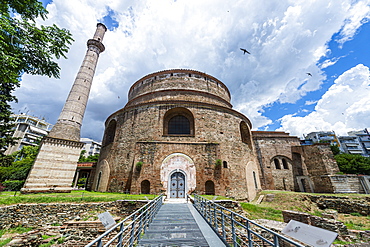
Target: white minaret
[(69, 122), (56, 162)]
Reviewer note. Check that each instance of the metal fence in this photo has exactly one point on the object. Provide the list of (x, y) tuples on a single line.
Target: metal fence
[(236, 230), (129, 230)]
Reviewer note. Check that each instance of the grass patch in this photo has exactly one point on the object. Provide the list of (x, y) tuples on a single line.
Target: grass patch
[(58, 241), (356, 225), (47, 236), (18, 230), (356, 214), (258, 212), (8, 198), (5, 242), (298, 201), (317, 213), (341, 242), (210, 197)]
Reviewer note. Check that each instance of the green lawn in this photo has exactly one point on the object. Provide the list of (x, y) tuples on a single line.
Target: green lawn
[(9, 198), (211, 197)]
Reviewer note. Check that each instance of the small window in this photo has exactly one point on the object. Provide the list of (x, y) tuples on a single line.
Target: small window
[(245, 134), (285, 164), (255, 180), (225, 164), (277, 164)]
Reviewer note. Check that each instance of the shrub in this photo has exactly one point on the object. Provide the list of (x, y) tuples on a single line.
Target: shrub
[(356, 214), (13, 185), (218, 163), (353, 164), (81, 182), (139, 165)]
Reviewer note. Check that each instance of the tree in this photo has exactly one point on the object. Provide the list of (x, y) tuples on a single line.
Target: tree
[(353, 164), (25, 48), (14, 176), (90, 158), (335, 149)]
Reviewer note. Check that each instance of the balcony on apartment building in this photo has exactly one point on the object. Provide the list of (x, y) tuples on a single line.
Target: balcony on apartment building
[(326, 138), (354, 149)]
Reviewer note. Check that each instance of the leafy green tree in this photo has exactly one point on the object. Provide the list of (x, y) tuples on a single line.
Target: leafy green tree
[(14, 176), (25, 48), (335, 149), (13, 185), (82, 157), (353, 164), (90, 158)]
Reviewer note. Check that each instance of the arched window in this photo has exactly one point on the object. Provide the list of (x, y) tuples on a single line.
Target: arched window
[(277, 163), (245, 134), (255, 180), (145, 187), (285, 164), (225, 164), (179, 125), (178, 122), (110, 133), (210, 187)]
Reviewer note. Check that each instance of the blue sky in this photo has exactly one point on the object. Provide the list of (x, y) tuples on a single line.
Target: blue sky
[(287, 39), (351, 53)]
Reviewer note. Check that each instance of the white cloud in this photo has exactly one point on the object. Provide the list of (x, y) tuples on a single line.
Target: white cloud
[(310, 102), (355, 17), (344, 107), (285, 39), (329, 62)]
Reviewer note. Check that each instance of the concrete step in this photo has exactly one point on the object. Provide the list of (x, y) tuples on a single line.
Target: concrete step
[(175, 225)]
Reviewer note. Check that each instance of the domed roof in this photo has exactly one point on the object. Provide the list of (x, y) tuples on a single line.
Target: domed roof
[(179, 85)]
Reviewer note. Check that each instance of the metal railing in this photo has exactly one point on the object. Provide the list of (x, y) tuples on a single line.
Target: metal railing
[(236, 230), (129, 230)]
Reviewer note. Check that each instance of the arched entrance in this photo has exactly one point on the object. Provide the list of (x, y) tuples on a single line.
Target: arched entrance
[(172, 165), (177, 185), (145, 187), (210, 187)]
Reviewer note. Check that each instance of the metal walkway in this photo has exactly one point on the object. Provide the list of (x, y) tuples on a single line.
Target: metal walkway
[(177, 223)]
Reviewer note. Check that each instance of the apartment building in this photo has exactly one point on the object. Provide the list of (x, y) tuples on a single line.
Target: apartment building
[(323, 137), (29, 129), (91, 147), (351, 145), (364, 139)]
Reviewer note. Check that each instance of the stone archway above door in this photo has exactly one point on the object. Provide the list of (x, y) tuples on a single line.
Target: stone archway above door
[(178, 162)]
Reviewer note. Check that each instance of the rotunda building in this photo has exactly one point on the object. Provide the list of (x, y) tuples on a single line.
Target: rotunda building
[(178, 134)]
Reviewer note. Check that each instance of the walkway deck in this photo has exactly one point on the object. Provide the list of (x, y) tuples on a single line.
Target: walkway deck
[(178, 223)]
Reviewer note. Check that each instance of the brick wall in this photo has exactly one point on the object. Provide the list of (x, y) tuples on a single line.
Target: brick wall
[(217, 134)]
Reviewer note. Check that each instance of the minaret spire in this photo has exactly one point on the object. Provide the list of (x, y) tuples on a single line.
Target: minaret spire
[(56, 162), (69, 122)]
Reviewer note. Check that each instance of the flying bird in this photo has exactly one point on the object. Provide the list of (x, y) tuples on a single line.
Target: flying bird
[(309, 74), (245, 51)]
